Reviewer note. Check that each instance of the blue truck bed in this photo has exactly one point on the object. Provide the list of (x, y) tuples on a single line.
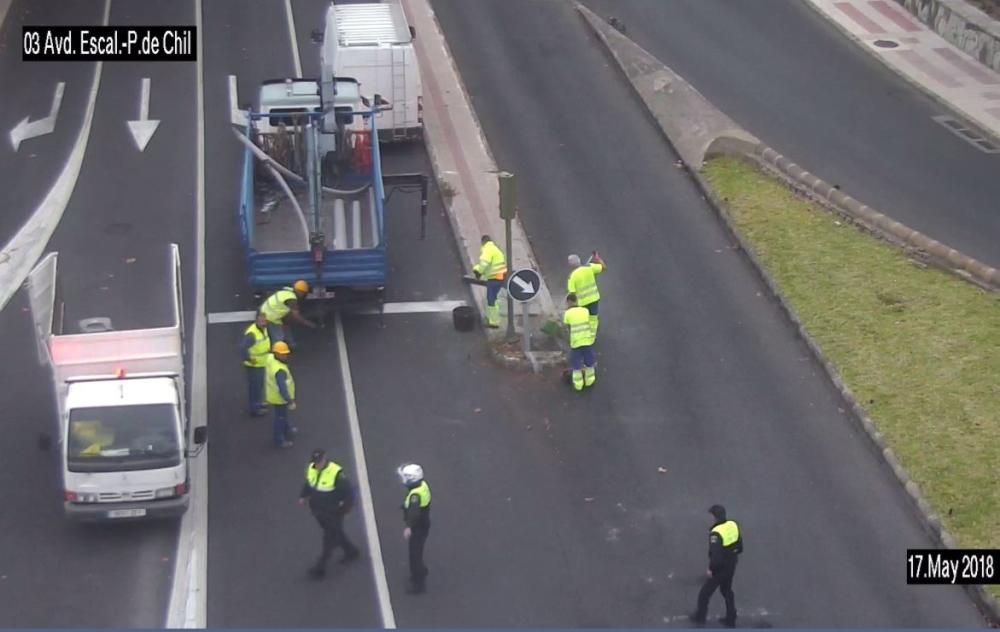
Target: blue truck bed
[(276, 236)]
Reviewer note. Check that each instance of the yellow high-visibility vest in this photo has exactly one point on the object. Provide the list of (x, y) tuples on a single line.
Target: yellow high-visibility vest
[(492, 263), (580, 333), (423, 491), (261, 346), (729, 531), (325, 480), (583, 282), (271, 392), (274, 307)]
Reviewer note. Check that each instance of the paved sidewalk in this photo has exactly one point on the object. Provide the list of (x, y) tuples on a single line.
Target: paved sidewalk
[(925, 59)]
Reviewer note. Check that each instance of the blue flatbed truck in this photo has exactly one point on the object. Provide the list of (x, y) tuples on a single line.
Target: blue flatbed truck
[(312, 200)]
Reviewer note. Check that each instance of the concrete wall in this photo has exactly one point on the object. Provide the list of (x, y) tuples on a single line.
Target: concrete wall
[(963, 25)]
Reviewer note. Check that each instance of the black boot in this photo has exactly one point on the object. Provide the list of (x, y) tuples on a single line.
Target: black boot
[(350, 556)]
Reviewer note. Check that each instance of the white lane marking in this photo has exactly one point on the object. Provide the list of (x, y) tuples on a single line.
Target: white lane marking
[(413, 307), (236, 116), (142, 130), (23, 250), (294, 39), (189, 591), (367, 505), (25, 130)]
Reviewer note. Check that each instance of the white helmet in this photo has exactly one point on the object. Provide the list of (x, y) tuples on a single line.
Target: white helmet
[(410, 473)]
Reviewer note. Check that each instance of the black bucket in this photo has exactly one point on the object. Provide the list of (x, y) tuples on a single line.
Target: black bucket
[(464, 318)]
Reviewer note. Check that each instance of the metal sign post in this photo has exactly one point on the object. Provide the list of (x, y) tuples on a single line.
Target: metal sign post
[(523, 286), (508, 211)]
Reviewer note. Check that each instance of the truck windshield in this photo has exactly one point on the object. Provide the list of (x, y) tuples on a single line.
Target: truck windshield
[(120, 438)]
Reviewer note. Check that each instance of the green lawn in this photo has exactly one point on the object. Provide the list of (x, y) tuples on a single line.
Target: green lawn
[(918, 347)]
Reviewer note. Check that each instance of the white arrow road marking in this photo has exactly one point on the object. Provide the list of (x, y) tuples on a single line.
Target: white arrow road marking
[(236, 116), (142, 130), (25, 130), (527, 287)]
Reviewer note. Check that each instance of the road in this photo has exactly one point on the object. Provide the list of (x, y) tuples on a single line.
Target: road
[(792, 79), (124, 202), (700, 372)]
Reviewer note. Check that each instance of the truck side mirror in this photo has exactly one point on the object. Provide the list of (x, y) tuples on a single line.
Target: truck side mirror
[(413, 33), (200, 435), (316, 36)]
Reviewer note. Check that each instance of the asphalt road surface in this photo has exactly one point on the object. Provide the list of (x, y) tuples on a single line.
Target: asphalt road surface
[(699, 373), (783, 72), (55, 573)]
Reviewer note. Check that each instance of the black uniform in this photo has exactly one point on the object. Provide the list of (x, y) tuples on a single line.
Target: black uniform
[(418, 519), (722, 563), (329, 509)]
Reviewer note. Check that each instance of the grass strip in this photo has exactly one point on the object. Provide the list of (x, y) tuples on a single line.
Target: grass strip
[(918, 347)]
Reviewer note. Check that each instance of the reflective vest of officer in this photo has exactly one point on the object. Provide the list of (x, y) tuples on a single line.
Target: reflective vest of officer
[(580, 333), (492, 263), (423, 491), (260, 348), (323, 480), (271, 392), (729, 531), (583, 282), (274, 308)]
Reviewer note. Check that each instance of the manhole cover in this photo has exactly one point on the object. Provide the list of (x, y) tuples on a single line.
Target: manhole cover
[(118, 228), (886, 44)]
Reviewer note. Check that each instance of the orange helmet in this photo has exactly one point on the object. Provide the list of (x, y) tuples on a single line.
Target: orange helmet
[(301, 286), (280, 347)]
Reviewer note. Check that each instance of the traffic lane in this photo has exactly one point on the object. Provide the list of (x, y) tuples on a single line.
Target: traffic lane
[(796, 82), (128, 202), (249, 45), (33, 168), (511, 544), (95, 576), (700, 371), (261, 541)]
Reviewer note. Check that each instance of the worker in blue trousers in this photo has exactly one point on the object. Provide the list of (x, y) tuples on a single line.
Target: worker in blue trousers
[(256, 347), (279, 390)]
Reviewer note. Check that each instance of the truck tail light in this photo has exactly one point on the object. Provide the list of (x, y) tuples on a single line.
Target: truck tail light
[(180, 489), (70, 496)]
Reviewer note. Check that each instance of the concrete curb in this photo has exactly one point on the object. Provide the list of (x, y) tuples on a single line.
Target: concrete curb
[(934, 251), (971, 117), (468, 169), (623, 49)]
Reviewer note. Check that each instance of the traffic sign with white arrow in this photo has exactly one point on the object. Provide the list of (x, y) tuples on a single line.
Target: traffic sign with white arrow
[(524, 285), (142, 130), (25, 130)]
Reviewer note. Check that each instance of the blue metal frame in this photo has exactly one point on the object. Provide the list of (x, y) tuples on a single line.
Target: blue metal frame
[(360, 268)]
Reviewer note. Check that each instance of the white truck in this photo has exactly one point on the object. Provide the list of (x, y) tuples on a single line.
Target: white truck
[(124, 435), (372, 43)]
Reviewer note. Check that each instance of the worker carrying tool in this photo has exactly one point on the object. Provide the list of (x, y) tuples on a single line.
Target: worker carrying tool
[(417, 516), (279, 390), (281, 306), (256, 348), (492, 267), (331, 497), (582, 281), (724, 546), (581, 340)]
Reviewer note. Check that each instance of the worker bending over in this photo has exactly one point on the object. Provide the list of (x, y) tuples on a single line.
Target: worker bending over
[(492, 266), (282, 306)]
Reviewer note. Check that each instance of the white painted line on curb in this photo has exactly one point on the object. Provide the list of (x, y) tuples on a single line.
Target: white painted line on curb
[(294, 39), (187, 607), (23, 250), (367, 505), (411, 307)]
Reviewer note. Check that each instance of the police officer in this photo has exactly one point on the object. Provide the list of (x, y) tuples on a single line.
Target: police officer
[(256, 347), (417, 516), (724, 546), (331, 497)]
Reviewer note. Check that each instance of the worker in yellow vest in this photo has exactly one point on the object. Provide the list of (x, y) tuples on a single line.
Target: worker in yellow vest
[(582, 281), (581, 340), (724, 546), (283, 306), (492, 266), (279, 390), (331, 496), (417, 516), (256, 348)]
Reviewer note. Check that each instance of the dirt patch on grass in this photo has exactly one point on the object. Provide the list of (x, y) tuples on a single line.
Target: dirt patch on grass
[(918, 347)]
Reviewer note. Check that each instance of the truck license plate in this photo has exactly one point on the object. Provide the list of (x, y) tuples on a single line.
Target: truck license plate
[(321, 293), (126, 513)]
